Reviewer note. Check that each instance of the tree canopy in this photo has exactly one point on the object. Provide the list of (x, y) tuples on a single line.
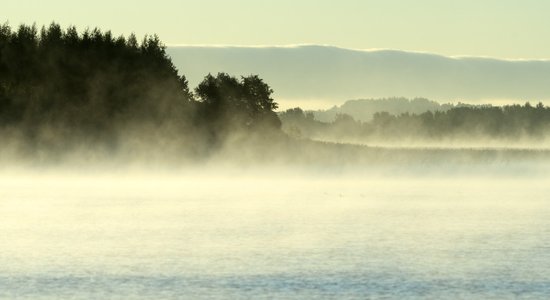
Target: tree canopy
[(244, 103)]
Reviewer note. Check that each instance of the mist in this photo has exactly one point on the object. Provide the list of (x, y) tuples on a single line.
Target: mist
[(124, 175)]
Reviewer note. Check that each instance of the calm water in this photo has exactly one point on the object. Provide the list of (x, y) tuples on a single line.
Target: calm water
[(283, 237)]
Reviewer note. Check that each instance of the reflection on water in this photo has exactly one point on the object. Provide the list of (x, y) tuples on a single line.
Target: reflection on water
[(286, 237)]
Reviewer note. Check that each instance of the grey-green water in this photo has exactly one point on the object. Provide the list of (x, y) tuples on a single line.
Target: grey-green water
[(163, 237)]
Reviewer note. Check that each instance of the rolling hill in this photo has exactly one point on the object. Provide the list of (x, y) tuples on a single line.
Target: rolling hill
[(322, 76)]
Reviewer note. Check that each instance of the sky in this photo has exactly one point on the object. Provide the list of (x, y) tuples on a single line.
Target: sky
[(494, 28)]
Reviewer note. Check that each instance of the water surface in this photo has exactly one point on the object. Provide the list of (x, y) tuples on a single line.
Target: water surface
[(171, 236)]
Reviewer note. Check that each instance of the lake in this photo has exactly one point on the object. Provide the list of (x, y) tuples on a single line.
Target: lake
[(291, 235)]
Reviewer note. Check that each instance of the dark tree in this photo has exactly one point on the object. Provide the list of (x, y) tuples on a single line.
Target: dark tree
[(229, 104), (59, 89)]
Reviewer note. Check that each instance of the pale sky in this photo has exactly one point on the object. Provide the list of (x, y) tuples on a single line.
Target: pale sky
[(494, 28)]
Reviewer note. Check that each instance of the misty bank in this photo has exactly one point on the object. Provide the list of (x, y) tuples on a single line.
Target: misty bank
[(86, 99)]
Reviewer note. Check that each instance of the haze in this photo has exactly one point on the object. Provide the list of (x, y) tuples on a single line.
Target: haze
[(316, 77), (493, 28), (177, 165)]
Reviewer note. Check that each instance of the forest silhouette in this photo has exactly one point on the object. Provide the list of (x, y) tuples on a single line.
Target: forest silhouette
[(61, 90)]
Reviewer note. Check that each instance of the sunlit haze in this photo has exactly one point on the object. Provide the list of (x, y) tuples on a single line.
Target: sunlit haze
[(251, 149)]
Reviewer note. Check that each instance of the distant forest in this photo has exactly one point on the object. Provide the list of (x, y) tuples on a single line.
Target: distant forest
[(462, 122), (62, 90), (364, 109)]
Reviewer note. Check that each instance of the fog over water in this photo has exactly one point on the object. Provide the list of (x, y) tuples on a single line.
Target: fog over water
[(119, 179), (276, 233)]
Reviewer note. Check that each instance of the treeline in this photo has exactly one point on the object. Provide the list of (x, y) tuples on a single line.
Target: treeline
[(509, 122), (364, 109), (61, 90)]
